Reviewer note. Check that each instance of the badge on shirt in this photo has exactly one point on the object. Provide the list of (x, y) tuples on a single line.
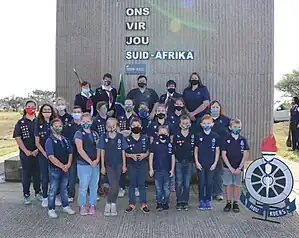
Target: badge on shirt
[(41, 126), (22, 121), (228, 141), (119, 144), (201, 139), (242, 145), (106, 140)]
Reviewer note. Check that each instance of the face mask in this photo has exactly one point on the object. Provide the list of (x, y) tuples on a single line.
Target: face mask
[(136, 130), (86, 125), (171, 90), (163, 137), (236, 131), (178, 108), (76, 116), (103, 111), (185, 126), (61, 108), (161, 115), (30, 111), (207, 127), (142, 85), (129, 108), (112, 129), (215, 111), (143, 113), (194, 82), (85, 90), (57, 130), (107, 83)]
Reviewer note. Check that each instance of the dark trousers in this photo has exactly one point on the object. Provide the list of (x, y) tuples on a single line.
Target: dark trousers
[(58, 181), (217, 185), (183, 171), (205, 176), (43, 165), (72, 179), (122, 181), (30, 171), (113, 174), (137, 175), (162, 184), (295, 136)]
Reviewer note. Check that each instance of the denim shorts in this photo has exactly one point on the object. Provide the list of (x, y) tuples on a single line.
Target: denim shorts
[(230, 179)]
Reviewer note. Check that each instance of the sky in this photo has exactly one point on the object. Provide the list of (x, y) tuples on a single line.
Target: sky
[(27, 45)]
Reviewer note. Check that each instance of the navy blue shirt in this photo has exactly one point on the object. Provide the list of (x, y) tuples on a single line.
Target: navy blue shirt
[(174, 119), (89, 141), (221, 126), (124, 122), (153, 128), (99, 125), (162, 152), (207, 145), (43, 131), (25, 130), (66, 118), (294, 113), (193, 99), (170, 100), (234, 150), (140, 146), (69, 132), (60, 149), (113, 148), (184, 146)]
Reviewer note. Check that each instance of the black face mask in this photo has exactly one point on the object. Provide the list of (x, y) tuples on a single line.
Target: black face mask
[(194, 82), (163, 137), (171, 90), (178, 108), (142, 85), (136, 130), (161, 115)]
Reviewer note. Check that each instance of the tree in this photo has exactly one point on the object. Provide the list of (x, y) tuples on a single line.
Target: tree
[(289, 84), (16, 103), (42, 97)]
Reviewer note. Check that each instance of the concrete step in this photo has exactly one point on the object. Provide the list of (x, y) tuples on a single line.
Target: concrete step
[(13, 169)]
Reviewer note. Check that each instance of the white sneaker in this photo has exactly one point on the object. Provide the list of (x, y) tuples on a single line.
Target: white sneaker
[(98, 198), (69, 210), (107, 211), (121, 193), (57, 202), (52, 214), (113, 209), (71, 199), (45, 202), (136, 192)]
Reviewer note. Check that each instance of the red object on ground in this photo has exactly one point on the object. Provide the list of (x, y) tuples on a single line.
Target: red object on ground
[(269, 144)]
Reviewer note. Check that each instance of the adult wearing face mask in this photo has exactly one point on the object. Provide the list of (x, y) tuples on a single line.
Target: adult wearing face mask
[(170, 97), (107, 94), (143, 94), (85, 99)]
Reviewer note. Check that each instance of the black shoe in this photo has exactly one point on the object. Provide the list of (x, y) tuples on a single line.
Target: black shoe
[(159, 207), (144, 208), (130, 208), (165, 207), (227, 207), (186, 206), (236, 207), (179, 206)]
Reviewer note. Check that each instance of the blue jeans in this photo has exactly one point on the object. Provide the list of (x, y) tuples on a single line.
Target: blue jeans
[(183, 171), (72, 179), (122, 181), (88, 178), (162, 184), (58, 181), (43, 165), (217, 186), (137, 175), (205, 176)]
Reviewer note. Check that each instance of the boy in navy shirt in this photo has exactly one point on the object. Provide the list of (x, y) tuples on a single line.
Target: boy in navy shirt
[(137, 154), (113, 158), (161, 164), (183, 143), (206, 155), (235, 151), (59, 153)]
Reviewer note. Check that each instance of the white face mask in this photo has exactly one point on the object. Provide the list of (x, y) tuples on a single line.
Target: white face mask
[(61, 108), (76, 116)]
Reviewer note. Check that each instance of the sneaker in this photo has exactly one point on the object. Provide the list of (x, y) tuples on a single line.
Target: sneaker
[(92, 210), (39, 197), (159, 207), (202, 205), (98, 198), (186, 206), (27, 200), (130, 208), (113, 209), (179, 206), (83, 211), (57, 202), (68, 210), (121, 193), (219, 198), (52, 214), (45, 202), (227, 207), (107, 211), (236, 207), (137, 192), (172, 188), (209, 205), (165, 207), (144, 208), (71, 200)]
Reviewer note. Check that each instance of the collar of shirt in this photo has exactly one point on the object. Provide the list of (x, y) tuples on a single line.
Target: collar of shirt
[(106, 88)]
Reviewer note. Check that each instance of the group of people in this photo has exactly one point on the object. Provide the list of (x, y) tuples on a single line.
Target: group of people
[(161, 136)]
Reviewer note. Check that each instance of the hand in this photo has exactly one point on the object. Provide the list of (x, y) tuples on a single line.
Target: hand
[(238, 171), (35, 153), (68, 165), (28, 153), (213, 167), (110, 113), (151, 173), (124, 169), (192, 116), (171, 172), (140, 156), (64, 168), (103, 170), (94, 164), (198, 166), (232, 170), (133, 157), (151, 116)]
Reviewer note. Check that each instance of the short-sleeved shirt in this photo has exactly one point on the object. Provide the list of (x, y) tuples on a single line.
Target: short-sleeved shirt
[(162, 152), (221, 125), (149, 95), (66, 118), (153, 128), (145, 125), (124, 122), (25, 130), (43, 131), (137, 147), (89, 141), (99, 125), (193, 99), (234, 150), (113, 148), (184, 146), (60, 149), (207, 144), (69, 132)]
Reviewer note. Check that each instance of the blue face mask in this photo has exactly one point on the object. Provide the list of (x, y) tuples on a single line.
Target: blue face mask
[(86, 125), (76, 116), (142, 113), (236, 131), (215, 111), (85, 90), (207, 127)]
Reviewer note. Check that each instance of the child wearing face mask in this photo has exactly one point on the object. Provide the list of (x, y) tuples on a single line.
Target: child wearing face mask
[(143, 114), (113, 160), (86, 98), (88, 159), (183, 146), (61, 111), (178, 111), (59, 152), (206, 155), (235, 151), (161, 166)]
